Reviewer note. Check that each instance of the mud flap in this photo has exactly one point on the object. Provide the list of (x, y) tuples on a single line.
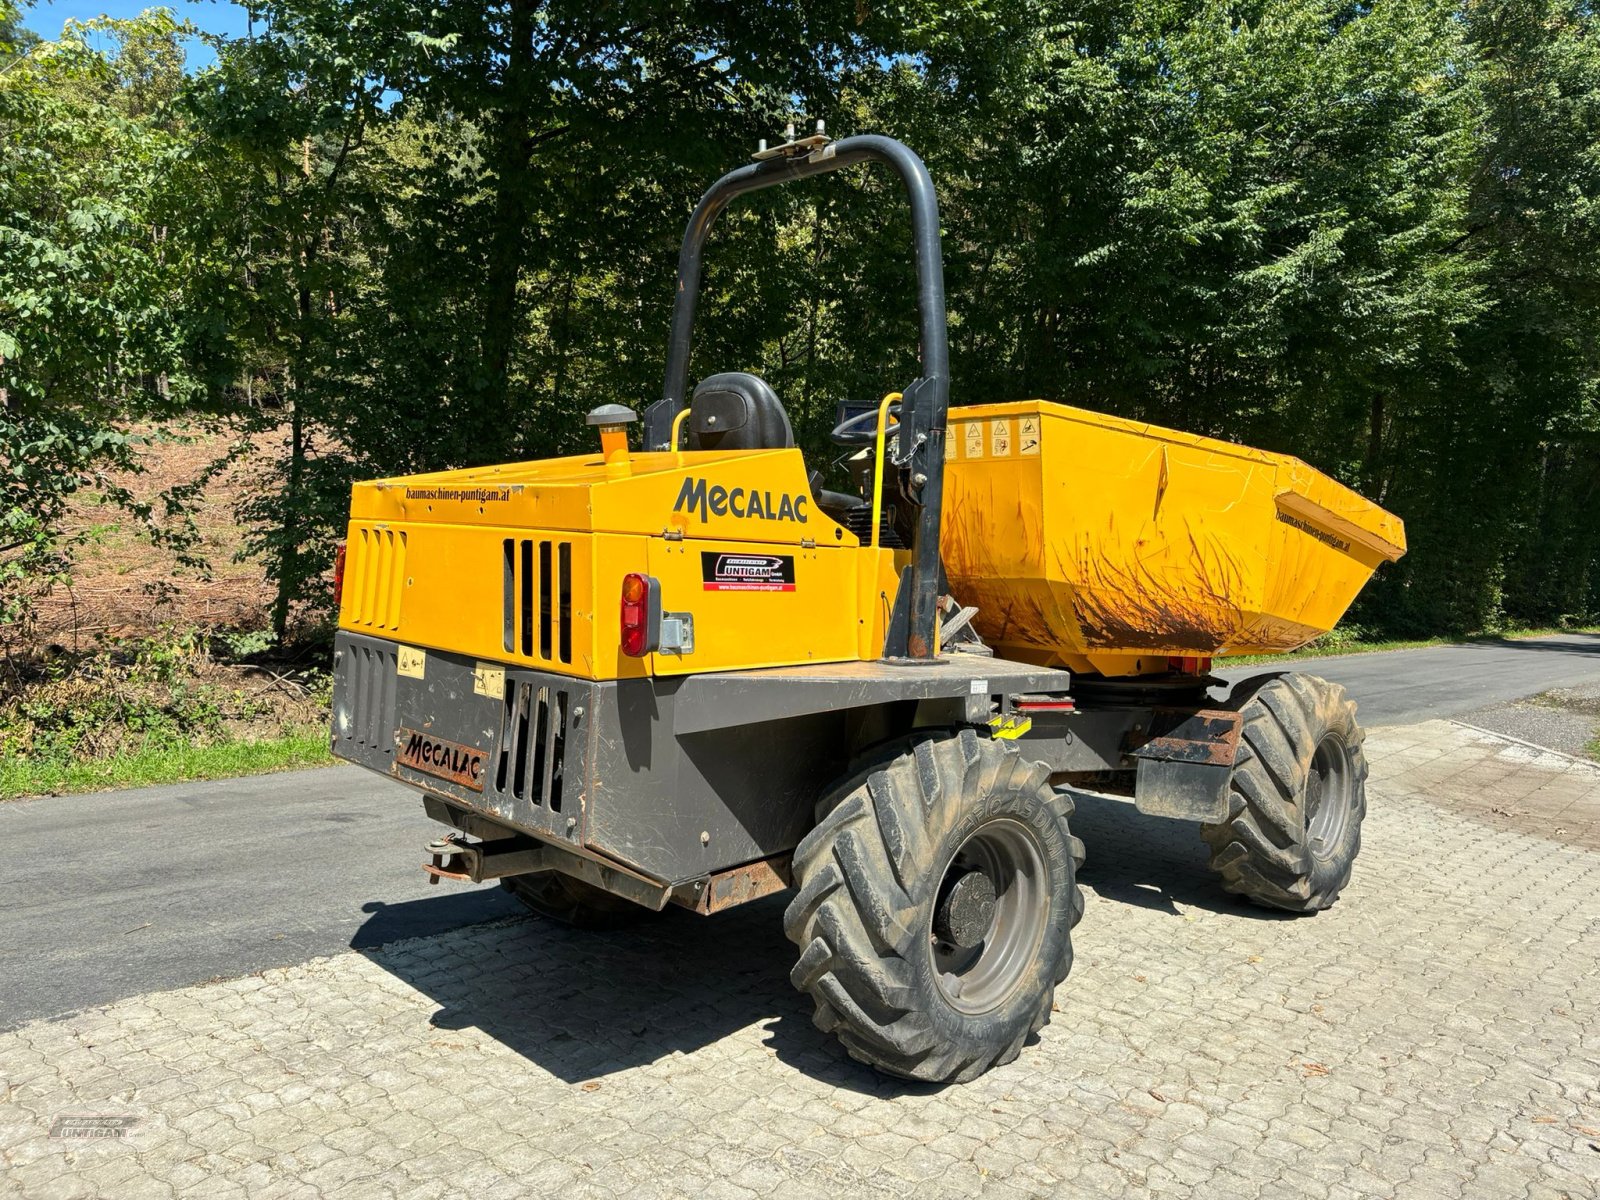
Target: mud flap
[(1186, 765)]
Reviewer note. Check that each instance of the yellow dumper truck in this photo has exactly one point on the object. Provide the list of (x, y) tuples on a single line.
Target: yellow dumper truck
[(690, 674)]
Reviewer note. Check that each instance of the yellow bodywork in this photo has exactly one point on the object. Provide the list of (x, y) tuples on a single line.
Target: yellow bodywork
[(1085, 541), (524, 563), (1103, 544)]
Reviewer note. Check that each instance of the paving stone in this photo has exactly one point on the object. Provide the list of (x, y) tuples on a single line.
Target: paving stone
[(1430, 1036)]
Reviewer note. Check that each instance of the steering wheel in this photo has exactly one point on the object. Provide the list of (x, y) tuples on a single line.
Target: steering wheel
[(862, 429)]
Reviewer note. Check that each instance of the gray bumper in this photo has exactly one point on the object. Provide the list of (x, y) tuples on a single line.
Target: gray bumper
[(592, 766)]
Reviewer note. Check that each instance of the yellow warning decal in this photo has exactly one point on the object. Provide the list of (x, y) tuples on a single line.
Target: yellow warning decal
[(1028, 435), (974, 431), (1000, 437), (490, 681), (1008, 728)]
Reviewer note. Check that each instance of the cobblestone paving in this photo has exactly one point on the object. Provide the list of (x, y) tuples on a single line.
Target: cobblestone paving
[(1434, 1035), (1559, 803)]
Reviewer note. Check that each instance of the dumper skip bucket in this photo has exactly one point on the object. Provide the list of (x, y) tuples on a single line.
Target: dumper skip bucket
[(1108, 545)]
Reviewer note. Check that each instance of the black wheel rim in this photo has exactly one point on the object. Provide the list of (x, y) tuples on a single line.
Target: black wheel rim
[(1330, 796), (978, 978)]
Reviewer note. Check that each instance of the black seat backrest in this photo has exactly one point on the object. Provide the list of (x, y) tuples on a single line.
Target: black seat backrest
[(737, 411)]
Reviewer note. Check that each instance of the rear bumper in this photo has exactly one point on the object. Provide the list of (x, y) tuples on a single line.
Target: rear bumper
[(500, 744), (593, 766)]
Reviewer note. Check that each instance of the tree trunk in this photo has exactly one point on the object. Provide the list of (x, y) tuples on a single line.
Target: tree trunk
[(289, 546), (289, 530), (1372, 470), (289, 568), (513, 154)]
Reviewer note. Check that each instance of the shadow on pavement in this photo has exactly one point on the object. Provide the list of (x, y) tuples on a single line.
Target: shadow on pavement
[(581, 1005), (1153, 862), (437, 914), (1566, 643)]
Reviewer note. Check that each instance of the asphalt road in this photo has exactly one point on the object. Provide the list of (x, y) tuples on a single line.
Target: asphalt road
[(1402, 687), (114, 894), (121, 893)]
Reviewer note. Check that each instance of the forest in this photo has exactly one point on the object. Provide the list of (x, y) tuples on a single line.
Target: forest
[(380, 236)]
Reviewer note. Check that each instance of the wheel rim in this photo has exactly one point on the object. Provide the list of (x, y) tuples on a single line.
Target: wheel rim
[(1006, 856), (1329, 798)]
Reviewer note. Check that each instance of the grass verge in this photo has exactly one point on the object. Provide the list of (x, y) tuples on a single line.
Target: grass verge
[(20, 777), (1336, 647)]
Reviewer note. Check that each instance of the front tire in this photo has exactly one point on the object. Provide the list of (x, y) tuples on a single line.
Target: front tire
[(1298, 795), (937, 898)]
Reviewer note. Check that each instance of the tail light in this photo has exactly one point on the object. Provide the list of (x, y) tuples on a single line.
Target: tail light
[(1190, 664), (641, 615), (338, 574)]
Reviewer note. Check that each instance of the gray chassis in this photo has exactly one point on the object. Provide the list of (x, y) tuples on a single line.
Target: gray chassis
[(695, 788)]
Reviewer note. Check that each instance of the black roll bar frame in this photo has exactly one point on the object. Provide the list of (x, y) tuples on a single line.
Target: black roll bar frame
[(920, 456)]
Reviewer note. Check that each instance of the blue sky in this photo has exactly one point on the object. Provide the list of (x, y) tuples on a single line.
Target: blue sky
[(214, 16)]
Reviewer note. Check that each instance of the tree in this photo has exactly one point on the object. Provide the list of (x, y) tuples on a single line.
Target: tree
[(1495, 481), (284, 125), (448, 222), (91, 323), (1363, 234)]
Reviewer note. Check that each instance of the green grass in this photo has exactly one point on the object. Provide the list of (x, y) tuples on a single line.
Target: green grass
[(1335, 649), (19, 778)]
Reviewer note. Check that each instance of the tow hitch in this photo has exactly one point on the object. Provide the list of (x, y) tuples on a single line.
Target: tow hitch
[(475, 862)]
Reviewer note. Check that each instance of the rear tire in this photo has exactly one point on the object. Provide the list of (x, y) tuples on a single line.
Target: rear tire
[(1298, 795), (574, 902), (937, 898)]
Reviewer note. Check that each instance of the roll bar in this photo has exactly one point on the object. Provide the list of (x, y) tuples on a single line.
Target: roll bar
[(920, 454)]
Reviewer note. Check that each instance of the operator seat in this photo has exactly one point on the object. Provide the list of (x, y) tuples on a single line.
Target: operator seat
[(737, 411)]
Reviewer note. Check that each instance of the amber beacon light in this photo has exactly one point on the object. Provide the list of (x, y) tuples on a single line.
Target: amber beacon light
[(613, 420)]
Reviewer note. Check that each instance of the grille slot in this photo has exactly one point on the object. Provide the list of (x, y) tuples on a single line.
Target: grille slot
[(545, 615), (537, 598), (371, 696), (378, 573), (533, 743), (859, 522), (526, 614)]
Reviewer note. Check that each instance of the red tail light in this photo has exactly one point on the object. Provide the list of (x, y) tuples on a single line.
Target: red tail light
[(641, 615), (338, 574), (1190, 664)]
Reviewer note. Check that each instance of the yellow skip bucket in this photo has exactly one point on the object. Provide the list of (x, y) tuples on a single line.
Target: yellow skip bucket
[(1103, 544)]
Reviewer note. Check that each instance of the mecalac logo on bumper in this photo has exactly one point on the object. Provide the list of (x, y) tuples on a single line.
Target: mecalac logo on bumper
[(448, 760), (745, 503)]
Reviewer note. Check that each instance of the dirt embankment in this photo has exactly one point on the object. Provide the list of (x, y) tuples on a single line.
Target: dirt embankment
[(142, 652), (124, 586)]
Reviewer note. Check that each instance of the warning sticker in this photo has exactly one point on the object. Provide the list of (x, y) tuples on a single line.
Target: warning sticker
[(1000, 437), (974, 439), (746, 572), (1028, 435), (489, 680)]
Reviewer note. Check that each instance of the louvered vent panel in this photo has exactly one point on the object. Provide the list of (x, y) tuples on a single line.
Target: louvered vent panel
[(537, 599), (533, 739), (375, 577), (372, 688)]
